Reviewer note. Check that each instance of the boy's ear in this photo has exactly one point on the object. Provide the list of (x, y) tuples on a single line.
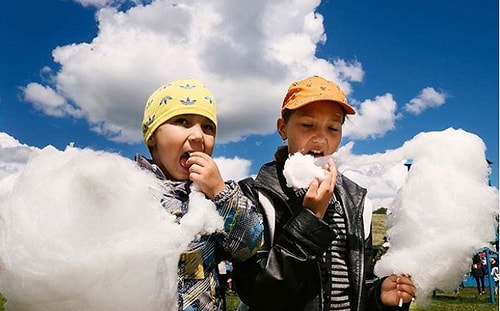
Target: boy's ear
[(281, 125), (151, 141)]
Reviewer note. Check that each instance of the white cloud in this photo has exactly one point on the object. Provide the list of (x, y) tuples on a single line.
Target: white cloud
[(47, 100), (234, 169), (104, 3), (13, 155), (383, 179), (428, 98), (373, 118), (247, 54)]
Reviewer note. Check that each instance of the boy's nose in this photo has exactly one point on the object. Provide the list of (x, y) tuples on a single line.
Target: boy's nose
[(318, 138), (196, 134), (320, 135)]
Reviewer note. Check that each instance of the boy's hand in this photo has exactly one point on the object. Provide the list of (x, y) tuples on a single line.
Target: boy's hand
[(396, 288), (205, 173), (319, 193)]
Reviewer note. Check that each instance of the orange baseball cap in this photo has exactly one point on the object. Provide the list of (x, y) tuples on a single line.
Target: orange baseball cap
[(313, 89)]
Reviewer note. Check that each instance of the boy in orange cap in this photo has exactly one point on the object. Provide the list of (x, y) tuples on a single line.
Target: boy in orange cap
[(179, 128), (317, 252)]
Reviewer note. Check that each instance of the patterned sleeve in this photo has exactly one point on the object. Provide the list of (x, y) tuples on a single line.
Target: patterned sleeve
[(243, 227)]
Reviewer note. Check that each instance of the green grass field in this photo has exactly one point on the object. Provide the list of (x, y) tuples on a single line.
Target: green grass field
[(466, 300), (379, 228)]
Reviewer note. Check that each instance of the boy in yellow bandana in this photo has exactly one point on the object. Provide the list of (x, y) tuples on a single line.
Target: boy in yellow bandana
[(179, 129)]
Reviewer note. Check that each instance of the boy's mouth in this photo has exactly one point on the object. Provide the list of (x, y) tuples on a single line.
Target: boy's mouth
[(315, 153), (183, 159)]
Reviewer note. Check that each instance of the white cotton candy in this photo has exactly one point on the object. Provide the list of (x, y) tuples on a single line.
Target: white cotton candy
[(442, 213), (85, 230), (203, 216), (301, 169)]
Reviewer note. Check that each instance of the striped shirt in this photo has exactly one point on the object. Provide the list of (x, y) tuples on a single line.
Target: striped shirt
[(334, 263)]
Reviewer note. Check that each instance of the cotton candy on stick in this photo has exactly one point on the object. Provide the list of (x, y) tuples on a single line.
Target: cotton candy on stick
[(85, 230), (442, 213)]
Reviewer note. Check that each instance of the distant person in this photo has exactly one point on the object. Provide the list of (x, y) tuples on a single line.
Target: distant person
[(222, 287), (483, 258), (179, 129), (318, 245), (494, 273), (386, 243), (229, 271), (478, 271)]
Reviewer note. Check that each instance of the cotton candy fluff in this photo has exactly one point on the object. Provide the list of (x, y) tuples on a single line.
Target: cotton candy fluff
[(300, 170), (443, 212), (85, 230)]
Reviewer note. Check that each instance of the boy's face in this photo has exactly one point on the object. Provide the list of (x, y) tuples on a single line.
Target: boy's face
[(314, 129), (172, 142)]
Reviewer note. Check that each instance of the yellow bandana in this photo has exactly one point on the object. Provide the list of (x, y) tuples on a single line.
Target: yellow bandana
[(175, 98)]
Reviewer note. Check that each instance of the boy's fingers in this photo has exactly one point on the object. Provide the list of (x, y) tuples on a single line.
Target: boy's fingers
[(313, 187), (326, 186), (198, 157)]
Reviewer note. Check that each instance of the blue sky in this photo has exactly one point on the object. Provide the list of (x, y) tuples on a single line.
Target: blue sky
[(79, 71)]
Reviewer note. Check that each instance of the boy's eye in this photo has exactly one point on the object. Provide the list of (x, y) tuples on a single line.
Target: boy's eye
[(181, 121), (307, 125), (209, 128)]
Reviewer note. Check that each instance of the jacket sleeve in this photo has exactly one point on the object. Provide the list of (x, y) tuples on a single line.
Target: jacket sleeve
[(280, 273), (243, 227)]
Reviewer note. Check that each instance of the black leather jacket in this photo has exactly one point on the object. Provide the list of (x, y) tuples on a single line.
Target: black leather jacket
[(285, 274)]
